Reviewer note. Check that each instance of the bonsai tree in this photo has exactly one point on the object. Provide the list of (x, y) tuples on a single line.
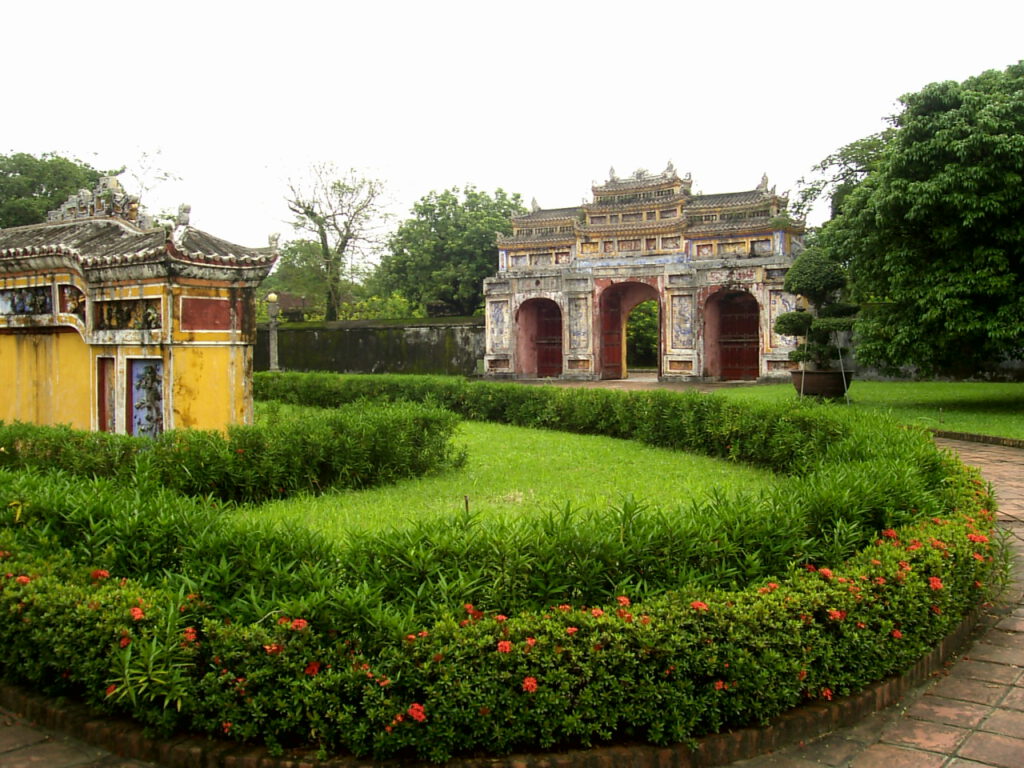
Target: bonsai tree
[(820, 280)]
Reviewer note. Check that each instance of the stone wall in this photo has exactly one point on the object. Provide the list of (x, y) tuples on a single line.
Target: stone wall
[(438, 346)]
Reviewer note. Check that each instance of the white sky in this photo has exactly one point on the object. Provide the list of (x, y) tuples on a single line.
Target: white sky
[(539, 98)]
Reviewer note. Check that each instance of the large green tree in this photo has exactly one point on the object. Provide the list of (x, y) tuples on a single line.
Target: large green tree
[(934, 234), (443, 253), (341, 213), (30, 186)]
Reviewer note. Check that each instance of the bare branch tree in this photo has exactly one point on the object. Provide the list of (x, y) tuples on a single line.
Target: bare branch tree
[(343, 214)]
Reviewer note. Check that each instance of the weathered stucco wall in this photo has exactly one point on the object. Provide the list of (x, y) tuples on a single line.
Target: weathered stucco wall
[(423, 346), (46, 378)]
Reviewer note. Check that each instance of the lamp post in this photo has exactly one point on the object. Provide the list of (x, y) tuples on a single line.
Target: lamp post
[(273, 310)]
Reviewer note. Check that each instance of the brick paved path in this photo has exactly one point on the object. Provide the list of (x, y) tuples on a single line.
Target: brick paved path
[(971, 718)]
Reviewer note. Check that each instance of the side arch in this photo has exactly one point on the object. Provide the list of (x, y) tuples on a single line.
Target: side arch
[(732, 346), (539, 339)]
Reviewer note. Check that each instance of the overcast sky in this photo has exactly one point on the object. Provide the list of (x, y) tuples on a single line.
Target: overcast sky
[(540, 98)]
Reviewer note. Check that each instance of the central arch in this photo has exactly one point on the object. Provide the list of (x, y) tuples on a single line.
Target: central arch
[(731, 336), (615, 304)]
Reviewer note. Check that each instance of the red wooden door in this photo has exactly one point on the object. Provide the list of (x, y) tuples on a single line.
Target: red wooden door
[(738, 345), (611, 336), (549, 340)]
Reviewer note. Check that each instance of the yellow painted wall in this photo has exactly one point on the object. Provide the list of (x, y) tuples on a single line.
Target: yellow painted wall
[(47, 378), (212, 386)]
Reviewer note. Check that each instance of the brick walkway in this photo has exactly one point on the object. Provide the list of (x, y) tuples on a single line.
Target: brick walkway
[(972, 717)]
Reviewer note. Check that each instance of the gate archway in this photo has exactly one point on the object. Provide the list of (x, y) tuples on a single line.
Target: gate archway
[(539, 338), (731, 336), (615, 304)]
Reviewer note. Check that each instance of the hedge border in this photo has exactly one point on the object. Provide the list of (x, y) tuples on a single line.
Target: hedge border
[(129, 740)]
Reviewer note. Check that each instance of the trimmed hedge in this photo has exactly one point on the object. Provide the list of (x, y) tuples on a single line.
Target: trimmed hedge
[(296, 647), (667, 670), (351, 447)]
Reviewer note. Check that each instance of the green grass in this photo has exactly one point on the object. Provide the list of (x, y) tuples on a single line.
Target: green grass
[(513, 471), (980, 408)]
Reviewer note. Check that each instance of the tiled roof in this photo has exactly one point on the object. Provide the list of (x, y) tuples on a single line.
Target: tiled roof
[(549, 213), (105, 241), (729, 198)]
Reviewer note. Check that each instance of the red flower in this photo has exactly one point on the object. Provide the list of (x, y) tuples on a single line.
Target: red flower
[(273, 649), (645, 619), (826, 693), (225, 726), (596, 613), (697, 605), (23, 579), (501, 617), (531, 641), (935, 582), (897, 634), (110, 689), (313, 668), (564, 608), (504, 646), (625, 615), (189, 634), (719, 685), (571, 630), (936, 610), (283, 620), (137, 613), (411, 638), (811, 567), (977, 556), (299, 624), (416, 712), (889, 533), (826, 573), (529, 684), (125, 641), (979, 538), (99, 574), (771, 586), (623, 601), (836, 615)]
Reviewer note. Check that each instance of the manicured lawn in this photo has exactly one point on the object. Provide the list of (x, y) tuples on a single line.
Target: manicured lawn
[(976, 407), (514, 471)]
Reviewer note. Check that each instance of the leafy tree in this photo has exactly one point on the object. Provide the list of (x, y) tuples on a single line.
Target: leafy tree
[(341, 214), (642, 335), (933, 235), (839, 173), (300, 272), (30, 186), (444, 252)]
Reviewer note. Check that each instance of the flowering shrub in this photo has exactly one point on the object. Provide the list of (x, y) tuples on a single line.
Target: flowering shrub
[(166, 611), (665, 670)]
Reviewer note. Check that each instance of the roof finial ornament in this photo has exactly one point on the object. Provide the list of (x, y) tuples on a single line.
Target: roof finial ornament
[(763, 186), (534, 205), (670, 169), (273, 239), (183, 215), (611, 174)]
